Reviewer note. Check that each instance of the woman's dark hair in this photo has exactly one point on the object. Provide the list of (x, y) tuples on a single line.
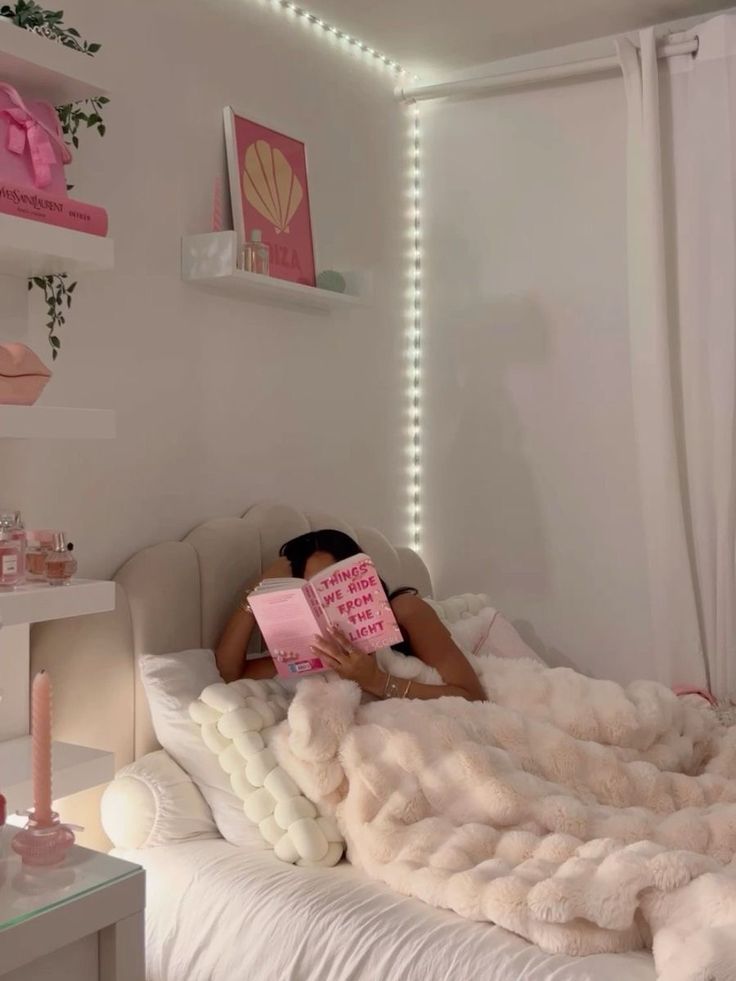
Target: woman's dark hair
[(335, 543), (340, 546)]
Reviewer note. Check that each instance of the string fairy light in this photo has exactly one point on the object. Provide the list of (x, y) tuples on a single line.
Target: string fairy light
[(414, 312), (331, 31), (414, 322)]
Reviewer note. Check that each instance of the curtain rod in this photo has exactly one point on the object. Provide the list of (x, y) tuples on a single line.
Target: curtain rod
[(533, 76)]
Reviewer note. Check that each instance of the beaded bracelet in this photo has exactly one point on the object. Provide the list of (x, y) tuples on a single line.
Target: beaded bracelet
[(244, 604)]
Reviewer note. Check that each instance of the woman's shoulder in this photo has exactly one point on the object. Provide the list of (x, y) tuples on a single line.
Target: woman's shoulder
[(409, 604)]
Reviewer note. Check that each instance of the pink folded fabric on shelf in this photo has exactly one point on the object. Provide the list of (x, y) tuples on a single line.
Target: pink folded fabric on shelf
[(23, 376)]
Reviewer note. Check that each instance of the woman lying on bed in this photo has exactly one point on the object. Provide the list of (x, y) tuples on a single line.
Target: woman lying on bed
[(424, 634)]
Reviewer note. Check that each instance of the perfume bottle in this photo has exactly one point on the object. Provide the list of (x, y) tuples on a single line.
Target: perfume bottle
[(38, 546), (60, 563), (10, 560), (256, 254), (11, 528)]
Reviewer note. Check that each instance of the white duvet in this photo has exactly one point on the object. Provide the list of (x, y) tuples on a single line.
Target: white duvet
[(215, 912), (585, 817)]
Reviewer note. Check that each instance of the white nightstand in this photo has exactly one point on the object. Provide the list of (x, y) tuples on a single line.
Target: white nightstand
[(80, 922)]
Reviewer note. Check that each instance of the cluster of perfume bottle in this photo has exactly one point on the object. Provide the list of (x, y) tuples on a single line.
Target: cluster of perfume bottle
[(33, 556)]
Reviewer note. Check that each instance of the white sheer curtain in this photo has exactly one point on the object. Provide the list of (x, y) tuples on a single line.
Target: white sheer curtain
[(682, 265)]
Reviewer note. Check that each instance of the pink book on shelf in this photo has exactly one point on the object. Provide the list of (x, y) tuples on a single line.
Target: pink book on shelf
[(347, 595), (52, 209)]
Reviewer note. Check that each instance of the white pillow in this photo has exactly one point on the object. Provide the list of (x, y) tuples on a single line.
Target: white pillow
[(154, 802), (478, 628), (459, 607), (238, 723), (171, 683)]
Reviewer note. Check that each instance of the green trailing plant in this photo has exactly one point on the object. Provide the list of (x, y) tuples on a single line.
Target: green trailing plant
[(57, 292), (76, 114), (49, 23), (73, 115), (33, 17), (86, 114)]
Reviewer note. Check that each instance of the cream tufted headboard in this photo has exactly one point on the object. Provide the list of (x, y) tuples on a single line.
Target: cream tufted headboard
[(170, 597)]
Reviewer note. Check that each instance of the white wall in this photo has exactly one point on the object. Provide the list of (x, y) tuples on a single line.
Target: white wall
[(530, 464), (221, 403)]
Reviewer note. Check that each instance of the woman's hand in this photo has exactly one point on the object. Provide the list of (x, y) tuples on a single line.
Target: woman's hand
[(280, 569), (335, 650)]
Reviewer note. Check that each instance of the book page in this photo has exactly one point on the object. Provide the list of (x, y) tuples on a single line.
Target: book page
[(289, 627), (268, 585), (352, 597)]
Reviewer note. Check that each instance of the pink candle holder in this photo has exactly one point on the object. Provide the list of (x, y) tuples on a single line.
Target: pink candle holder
[(43, 843)]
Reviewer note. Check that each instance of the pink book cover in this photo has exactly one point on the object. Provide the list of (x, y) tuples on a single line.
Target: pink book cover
[(27, 202), (347, 595)]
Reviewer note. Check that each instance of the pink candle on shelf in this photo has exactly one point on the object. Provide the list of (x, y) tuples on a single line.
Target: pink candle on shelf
[(44, 840), (41, 748), (217, 206)]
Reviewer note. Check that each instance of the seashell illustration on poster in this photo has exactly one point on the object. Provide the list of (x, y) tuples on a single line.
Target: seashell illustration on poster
[(269, 192)]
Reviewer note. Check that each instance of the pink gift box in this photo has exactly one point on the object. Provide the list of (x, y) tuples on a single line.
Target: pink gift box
[(32, 149)]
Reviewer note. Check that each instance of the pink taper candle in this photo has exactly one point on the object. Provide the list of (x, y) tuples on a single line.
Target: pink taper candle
[(41, 742), (217, 206)]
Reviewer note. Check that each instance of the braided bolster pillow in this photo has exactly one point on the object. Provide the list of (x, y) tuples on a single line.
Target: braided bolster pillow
[(236, 723)]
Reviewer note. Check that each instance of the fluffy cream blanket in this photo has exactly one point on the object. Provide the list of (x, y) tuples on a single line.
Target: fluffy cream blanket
[(581, 815)]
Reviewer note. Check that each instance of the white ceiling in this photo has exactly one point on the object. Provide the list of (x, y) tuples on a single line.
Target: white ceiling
[(432, 37)]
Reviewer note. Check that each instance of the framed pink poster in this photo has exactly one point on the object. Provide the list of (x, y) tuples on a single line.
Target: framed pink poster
[(270, 194)]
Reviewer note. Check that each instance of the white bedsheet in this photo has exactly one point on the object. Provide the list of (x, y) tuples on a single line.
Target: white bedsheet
[(220, 913)]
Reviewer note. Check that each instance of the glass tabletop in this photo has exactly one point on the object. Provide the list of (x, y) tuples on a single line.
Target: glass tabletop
[(26, 891)]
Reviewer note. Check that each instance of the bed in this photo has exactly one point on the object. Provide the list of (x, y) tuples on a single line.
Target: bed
[(216, 912)]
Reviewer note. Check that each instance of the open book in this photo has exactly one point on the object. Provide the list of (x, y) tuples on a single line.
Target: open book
[(347, 595)]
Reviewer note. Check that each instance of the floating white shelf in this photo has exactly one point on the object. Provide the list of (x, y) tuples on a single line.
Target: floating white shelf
[(210, 262), (34, 602), (75, 768), (48, 422), (33, 248), (43, 69)]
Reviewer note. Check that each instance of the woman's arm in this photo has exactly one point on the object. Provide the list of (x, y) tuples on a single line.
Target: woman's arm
[(231, 651), (430, 641)]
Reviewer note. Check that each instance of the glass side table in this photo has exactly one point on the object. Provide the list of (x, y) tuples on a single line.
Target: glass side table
[(82, 920)]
